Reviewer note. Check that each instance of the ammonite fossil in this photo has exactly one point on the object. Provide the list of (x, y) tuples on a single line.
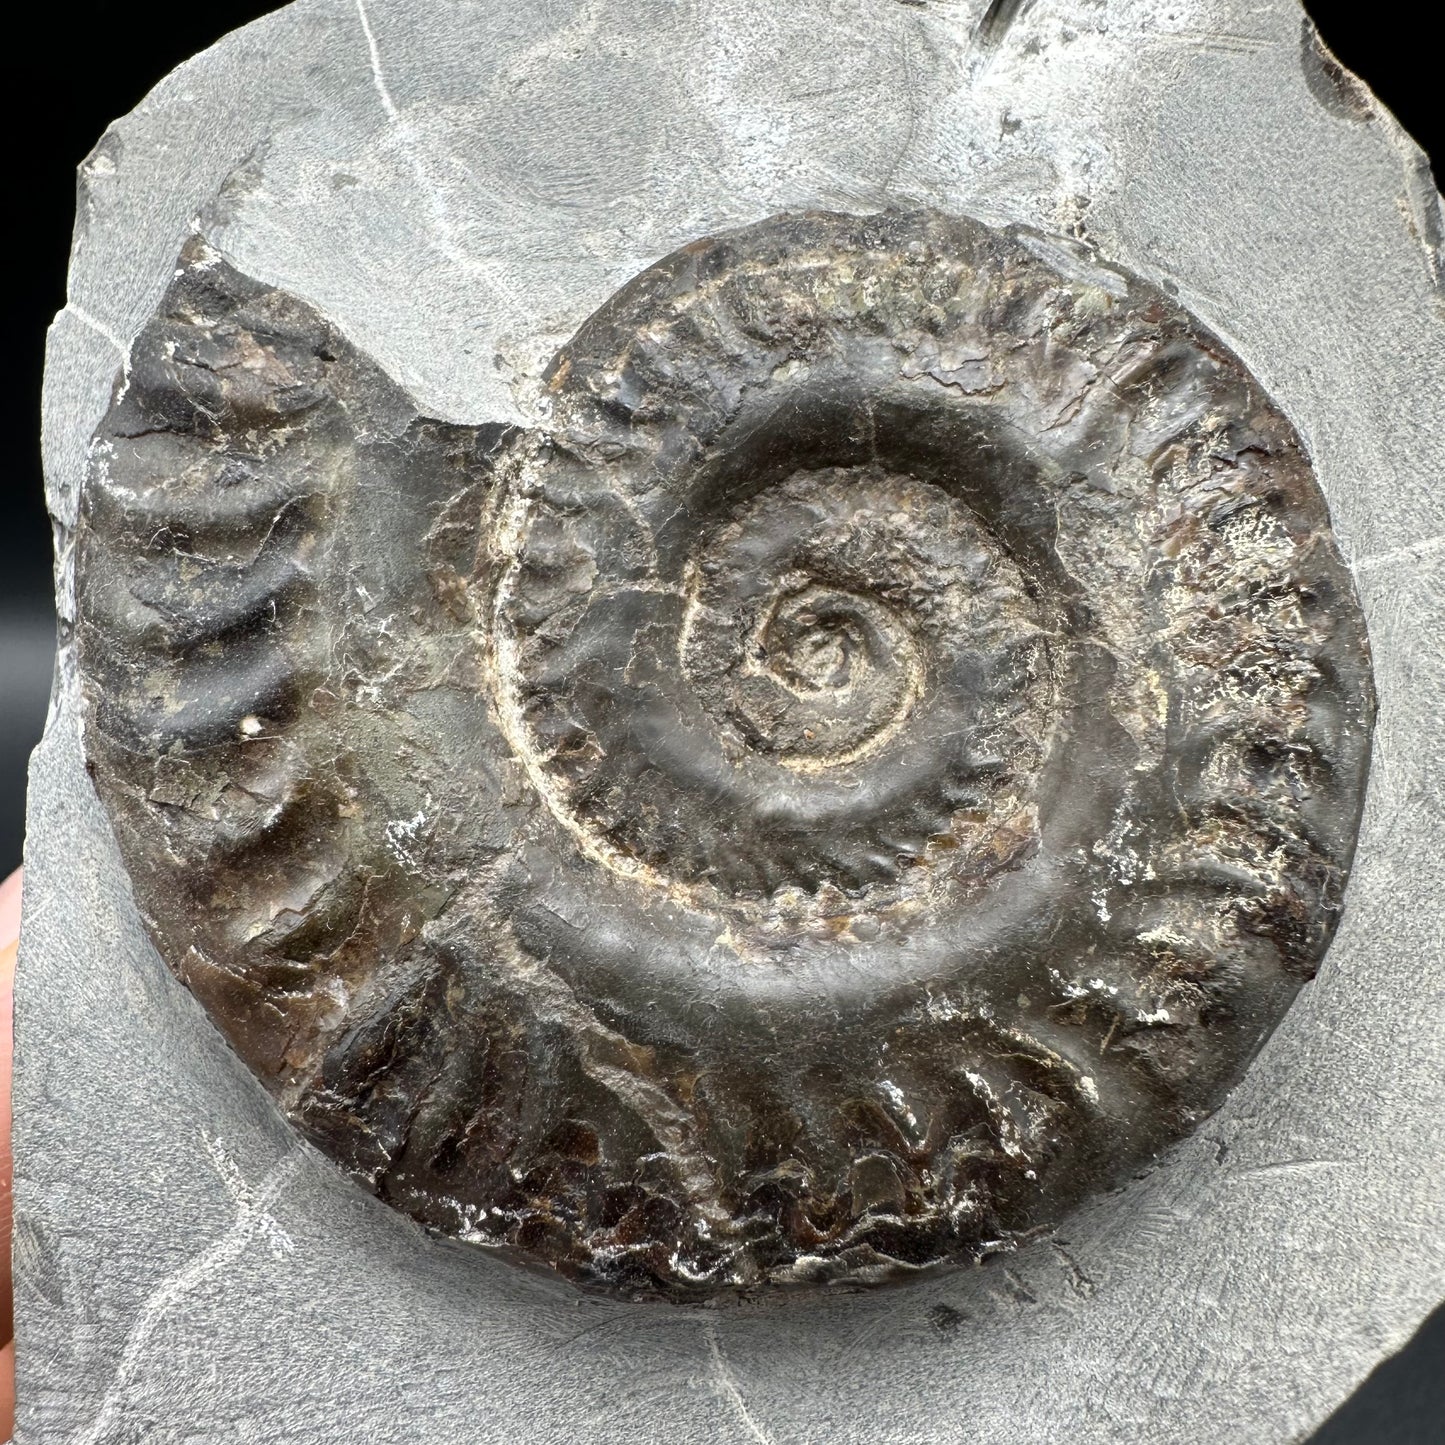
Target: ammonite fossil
[(866, 770)]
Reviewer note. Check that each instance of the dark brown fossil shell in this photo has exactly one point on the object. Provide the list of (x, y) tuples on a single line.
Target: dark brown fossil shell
[(868, 772)]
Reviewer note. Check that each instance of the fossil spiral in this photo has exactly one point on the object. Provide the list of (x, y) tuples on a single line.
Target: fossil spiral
[(865, 770)]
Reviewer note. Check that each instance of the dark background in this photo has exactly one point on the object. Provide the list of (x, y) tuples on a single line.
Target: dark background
[(93, 60)]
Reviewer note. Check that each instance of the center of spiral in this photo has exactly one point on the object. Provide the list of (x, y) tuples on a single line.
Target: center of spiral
[(842, 669), (805, 632), (827, 671), (814, 639)]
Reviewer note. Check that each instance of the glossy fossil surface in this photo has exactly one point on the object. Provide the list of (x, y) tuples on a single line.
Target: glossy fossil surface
[(864, 771)]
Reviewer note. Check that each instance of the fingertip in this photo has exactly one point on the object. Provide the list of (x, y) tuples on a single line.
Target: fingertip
[(7, 1390), (10, 908)]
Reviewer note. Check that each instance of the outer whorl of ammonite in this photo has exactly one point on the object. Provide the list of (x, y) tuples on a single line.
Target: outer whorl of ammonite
[(867, 770)]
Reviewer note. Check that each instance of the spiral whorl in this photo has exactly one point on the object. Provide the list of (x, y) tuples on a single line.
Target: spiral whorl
[(864, 771)]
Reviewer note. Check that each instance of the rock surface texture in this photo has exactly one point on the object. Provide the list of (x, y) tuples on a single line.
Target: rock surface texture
[(708, 703)]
